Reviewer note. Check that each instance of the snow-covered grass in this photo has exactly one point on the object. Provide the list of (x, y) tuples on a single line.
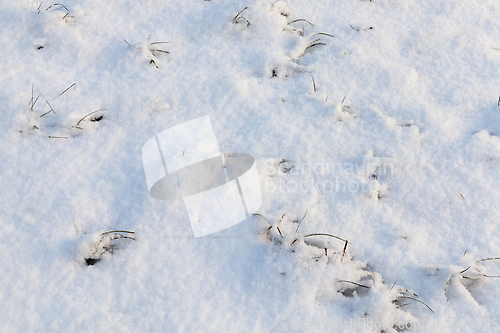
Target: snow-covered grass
[(377, 118)]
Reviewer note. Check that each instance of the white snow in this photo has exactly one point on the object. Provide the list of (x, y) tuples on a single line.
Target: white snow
[(395, 148)]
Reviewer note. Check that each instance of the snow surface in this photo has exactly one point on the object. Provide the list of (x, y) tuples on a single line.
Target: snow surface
[(413, 152)]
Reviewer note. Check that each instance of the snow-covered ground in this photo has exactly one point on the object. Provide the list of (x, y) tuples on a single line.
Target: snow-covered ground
[(384, 133)]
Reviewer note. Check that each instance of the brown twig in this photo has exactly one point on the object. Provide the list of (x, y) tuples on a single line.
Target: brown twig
[(343, 252), (74, 84), (360, 285), (416, 299), (301, 221), (343, 240), (241, 11), (51, 109), (394, 283), (279, 231)]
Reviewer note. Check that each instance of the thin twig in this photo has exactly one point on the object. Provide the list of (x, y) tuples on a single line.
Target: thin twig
[(244, 18), (278, 1), (46, 113), (114, 231), (465, 270), (159, 43), (343, 240), (301, 221), (313, 45), (485, 259), (343, 252), (397, 307), (241, 11), (491, 276), (57, 4), (51, 109), (33, 105), (300, 20), (360, 285), (314, 41), (118, 236), (394, 283), (74, 84), (60, 4), (31, 101), (279, 231), (314, 83), (322, 33), (416, 299)]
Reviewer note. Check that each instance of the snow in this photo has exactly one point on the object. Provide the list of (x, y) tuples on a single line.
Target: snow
[(395, 148)]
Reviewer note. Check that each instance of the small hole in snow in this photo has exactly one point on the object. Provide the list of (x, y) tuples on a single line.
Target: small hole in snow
[(92, 261), (99, 118)]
